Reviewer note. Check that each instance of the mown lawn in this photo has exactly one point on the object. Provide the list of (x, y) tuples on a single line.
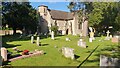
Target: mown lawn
[(53, 56)]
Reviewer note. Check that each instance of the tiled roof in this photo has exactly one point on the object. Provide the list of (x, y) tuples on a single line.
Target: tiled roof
[(62, 15)]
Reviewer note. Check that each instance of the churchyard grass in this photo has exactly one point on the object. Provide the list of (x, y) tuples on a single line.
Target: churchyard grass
[(53, 55)]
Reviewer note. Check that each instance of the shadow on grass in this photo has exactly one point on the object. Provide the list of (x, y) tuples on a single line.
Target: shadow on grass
[(56, 38), (95, 60), (76, 56), (13, 56), (9, 45), (44, 44), (88, 57), (6, 63), (111, 51), (10, 38)]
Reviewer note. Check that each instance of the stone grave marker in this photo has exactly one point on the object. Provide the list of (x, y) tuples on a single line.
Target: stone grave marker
[(52, 35), (4, 53), (90, 39), (116, 39), (67, 39), (107, 38), (108, 61), (38, 40), (68, 52), (32, 39), (81, 43)]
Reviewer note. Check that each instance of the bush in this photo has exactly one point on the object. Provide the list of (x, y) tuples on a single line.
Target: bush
[(54, 28)]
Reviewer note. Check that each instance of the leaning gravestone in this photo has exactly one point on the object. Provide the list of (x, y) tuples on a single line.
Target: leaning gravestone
[(32, 39), (4, 53), (81, 43), (52, 35), (38, 41), (68, 52)]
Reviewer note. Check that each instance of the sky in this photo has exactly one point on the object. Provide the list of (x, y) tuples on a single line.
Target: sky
[(52, 5)]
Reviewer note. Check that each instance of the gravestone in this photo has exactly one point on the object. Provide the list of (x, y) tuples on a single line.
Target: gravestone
[(68, 52), (38, 41), (81, 43), (107, 38), (90, 39), (116, 39), (32, 39), (52, 35), (67, 39), (108, 61), (4, 53)]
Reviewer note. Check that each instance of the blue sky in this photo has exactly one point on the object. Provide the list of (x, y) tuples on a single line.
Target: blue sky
[(52, 5)]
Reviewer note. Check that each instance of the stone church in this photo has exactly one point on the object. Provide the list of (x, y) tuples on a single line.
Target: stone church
[(67, 22)]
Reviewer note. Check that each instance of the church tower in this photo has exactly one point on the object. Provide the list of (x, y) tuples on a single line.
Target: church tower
[(43, 11)]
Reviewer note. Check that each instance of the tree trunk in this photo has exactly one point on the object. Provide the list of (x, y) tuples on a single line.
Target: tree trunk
[(14, 30)]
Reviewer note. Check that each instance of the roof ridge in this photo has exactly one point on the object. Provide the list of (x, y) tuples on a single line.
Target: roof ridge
[(60, 10)]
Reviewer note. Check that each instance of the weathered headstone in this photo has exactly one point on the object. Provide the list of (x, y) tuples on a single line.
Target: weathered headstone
[(108, 61), (4, 53), (107, 38), (38, 41), (81, 43), (32, 39), (68, 52), (52, 35), (116, 39)]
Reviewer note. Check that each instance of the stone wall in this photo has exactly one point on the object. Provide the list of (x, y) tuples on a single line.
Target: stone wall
[(9, 32)]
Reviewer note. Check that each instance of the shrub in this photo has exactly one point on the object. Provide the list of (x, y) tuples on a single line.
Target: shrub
[(54, 28)]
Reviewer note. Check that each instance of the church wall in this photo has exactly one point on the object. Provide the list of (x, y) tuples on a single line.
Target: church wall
[(63, 25)]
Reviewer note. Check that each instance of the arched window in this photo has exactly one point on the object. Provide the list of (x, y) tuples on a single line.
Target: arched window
[(79, 26)]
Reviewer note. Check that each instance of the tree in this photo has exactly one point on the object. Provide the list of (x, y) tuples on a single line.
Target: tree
[(101, 15), (20, 15), (79, 9)]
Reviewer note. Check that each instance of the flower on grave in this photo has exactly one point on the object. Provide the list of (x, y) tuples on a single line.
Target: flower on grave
[(25, 52)]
